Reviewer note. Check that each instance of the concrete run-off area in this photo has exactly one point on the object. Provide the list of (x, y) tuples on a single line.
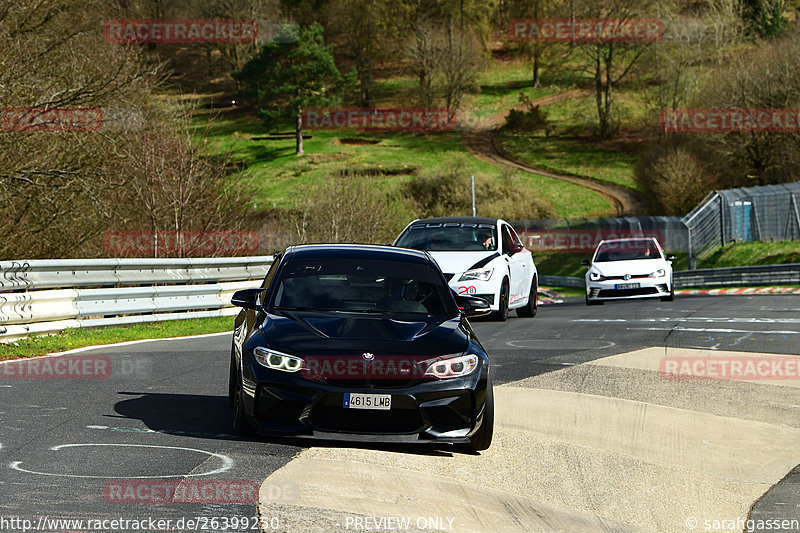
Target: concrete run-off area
[(608, 445)]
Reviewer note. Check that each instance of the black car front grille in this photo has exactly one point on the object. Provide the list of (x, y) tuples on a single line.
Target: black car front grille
[(403, 418), (372, 383), (616, 293)]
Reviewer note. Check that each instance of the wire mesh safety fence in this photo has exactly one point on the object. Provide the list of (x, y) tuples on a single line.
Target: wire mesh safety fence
[(763, 213)]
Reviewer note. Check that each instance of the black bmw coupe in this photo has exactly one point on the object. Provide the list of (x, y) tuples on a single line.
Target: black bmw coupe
[(360, 342)]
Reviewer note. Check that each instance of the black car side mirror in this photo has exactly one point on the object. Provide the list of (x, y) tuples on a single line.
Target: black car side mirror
[(472, 305), (586, 262), (247, 298)]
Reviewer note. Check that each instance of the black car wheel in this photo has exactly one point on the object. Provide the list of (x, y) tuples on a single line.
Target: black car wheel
[(482, 438), (593, 302), (529, 310), (502, 314), (240, 424), (671, 296)]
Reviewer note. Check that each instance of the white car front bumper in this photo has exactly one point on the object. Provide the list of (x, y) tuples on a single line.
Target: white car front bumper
[(619, 289), (488, 290)]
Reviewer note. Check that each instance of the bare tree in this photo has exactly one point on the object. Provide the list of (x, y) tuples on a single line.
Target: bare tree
[(609, 62), (425, 52), (447, 61), (346, 208), (61, 190)]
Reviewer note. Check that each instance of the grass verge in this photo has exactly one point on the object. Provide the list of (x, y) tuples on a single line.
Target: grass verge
[(80, 337), (753, 253), (568, 292)]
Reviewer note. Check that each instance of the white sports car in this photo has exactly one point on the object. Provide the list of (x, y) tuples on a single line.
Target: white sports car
[(629, 268), (479, 257)]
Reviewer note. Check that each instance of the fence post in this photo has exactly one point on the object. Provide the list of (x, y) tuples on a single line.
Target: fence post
[(796, 217)]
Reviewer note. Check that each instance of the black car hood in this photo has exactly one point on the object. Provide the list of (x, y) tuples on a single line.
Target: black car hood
[(313, 333)]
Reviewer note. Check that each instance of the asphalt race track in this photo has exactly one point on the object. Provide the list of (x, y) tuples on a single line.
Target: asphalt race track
[(589, 436)]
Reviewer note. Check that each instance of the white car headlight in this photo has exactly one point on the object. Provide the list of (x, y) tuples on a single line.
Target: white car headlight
[(596, 276), (480, 274), (454, 367), (277, 360), (660, 273)]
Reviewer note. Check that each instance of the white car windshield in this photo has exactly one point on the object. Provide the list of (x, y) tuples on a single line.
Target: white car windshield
[(449, 236), (627, 251)]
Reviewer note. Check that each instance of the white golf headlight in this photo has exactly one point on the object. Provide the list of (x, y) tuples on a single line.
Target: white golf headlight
[(480, 274), (277, 360), (454, 367), (660, 273), (596, 276)]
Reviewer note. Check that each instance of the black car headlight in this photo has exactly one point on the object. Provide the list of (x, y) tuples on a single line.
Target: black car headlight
[(454, 367), (277, 360)]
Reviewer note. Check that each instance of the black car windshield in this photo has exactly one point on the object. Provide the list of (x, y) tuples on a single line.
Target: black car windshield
[(363, 286), (449, 236), (627, 250)]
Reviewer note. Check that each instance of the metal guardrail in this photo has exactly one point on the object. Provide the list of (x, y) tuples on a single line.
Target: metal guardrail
[(71, 273), (561, 281), (48, 296), (788, 274)]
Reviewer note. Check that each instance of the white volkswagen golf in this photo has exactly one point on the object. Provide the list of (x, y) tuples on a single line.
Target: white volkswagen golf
[(629, 268), (479, 257)]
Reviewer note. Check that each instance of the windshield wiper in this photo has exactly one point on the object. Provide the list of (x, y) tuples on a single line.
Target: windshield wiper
[(300, 309)]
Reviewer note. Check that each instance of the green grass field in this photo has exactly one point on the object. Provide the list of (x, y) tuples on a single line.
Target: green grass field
[(753, 253), (79, 337), (280, 177), (567, 146), (571, 156)]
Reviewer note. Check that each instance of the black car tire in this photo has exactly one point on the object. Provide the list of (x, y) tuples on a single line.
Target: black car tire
[(671, 296), (232, 380), (529, 310), (482, 438), (502, 314), (240, 423)]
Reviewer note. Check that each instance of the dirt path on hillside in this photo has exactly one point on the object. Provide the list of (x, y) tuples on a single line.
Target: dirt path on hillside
[(483, 143)]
